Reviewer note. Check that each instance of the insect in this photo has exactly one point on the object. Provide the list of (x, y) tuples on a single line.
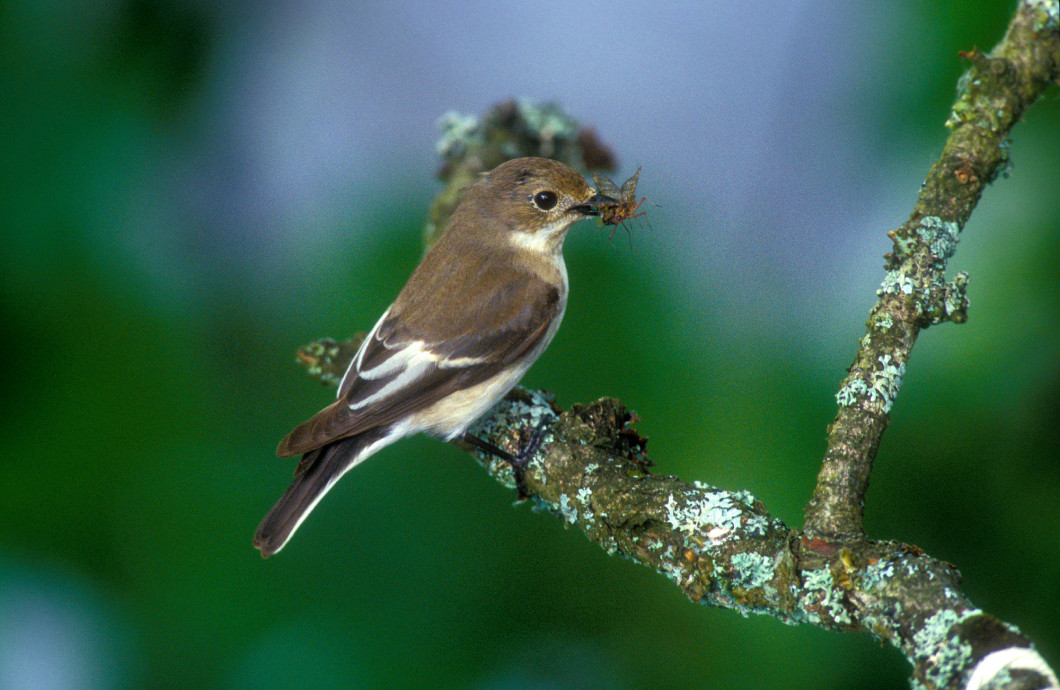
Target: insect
[(626, 206)]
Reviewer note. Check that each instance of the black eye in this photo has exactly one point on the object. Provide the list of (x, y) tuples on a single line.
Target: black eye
[(545, 200)]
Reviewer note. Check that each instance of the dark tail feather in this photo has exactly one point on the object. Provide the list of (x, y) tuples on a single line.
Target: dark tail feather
[(319, 470)]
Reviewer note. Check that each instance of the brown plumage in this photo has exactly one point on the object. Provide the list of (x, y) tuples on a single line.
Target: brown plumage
[(478, 310)]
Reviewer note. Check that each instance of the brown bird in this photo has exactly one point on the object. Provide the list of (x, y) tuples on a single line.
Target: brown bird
[(475, 314)]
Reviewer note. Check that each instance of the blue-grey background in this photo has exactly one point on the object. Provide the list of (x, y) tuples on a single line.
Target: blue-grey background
[(191, 190)]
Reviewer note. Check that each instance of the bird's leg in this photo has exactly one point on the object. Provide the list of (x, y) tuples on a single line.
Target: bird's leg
[(520, 461)]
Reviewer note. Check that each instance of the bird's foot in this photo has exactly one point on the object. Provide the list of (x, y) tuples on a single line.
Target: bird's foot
[(527, 448)]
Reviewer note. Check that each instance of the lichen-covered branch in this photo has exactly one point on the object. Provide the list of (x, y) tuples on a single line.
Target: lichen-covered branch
[(724, 548), (994, 93)]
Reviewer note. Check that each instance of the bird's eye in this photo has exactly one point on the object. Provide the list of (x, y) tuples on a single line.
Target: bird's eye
[(545, 200)]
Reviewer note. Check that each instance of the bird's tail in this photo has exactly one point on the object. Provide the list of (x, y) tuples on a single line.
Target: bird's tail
[(316, 473)]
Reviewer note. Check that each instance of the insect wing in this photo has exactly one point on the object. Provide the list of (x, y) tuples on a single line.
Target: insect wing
[(629, 187), (605, 186)]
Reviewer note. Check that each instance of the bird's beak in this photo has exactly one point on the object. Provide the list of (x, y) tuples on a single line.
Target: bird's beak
[(589, 207)]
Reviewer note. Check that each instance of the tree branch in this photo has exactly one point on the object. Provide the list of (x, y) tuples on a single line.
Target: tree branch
[(723, 548), (995, 92)]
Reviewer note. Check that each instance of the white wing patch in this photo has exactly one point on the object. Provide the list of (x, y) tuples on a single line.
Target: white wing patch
[(355, 365), (403, 367), (406, 364), (459, 362), (399, 359), (410, 363)]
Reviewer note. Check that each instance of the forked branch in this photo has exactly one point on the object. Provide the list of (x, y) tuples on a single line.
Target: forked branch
[(723, 548)]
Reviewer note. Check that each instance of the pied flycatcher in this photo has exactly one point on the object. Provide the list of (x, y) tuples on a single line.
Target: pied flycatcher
[(475, 314)]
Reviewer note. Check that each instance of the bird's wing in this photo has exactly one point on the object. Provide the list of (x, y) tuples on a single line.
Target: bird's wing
[(399, 370)]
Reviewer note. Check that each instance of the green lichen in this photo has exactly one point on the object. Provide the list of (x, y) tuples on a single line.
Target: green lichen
[(963, 111), (676, 572), (941, 236), (744, 496), (942, 655), (955, 298), (877, 574), (714, 515), (896, 283), (459, 133), (849, 394), (881, 387), (753, 570), (903, 244), (531, 408), (883, 626), (548, 123), (820, 578), (887, 382), (567, 510), (1003, 147), (327, 359), (756, 525), (822, 598), (1046, 14), (584, 500)]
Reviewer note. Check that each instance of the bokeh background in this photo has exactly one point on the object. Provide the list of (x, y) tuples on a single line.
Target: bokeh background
[(191, 190)]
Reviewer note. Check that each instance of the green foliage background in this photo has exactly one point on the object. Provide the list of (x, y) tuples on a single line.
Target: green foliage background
[(141, 409)]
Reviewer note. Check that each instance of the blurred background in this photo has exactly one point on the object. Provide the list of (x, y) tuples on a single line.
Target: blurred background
[(192, 190)]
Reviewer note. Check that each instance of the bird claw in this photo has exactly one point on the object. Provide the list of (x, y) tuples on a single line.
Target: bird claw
[(521, 460)]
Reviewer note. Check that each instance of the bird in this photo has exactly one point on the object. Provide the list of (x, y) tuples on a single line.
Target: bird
[(481, 307)]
